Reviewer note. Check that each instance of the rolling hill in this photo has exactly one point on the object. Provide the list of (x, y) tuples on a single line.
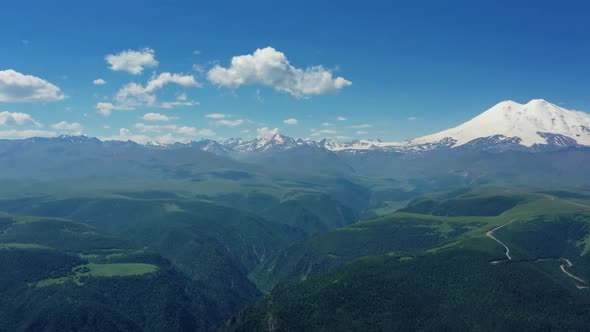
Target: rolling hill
[(426, 271), (58, 274)]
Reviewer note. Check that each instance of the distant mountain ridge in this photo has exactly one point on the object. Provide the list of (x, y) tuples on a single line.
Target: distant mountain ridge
[(536, 125)]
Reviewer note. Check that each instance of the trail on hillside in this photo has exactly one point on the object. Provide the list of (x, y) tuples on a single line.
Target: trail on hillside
[(579, 204), (551, 197), (562, 266), (490, 234)]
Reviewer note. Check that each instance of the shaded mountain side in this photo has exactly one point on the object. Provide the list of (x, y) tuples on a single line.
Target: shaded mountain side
[(82, 157), (327, 251), (408, 271), (451, 290), (564, 236), (303, 160), (212, 244), (58, 274), (93, 163), (478, 206), (457, 167)]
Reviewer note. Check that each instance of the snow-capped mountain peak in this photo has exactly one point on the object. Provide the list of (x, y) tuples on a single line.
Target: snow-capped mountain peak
[(536, 122), (276, 140)]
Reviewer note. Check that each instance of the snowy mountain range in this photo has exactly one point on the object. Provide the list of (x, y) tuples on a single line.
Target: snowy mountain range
[(535, 125), (538, 137)]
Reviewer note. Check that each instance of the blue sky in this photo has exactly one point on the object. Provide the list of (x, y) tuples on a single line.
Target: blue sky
[(393, 69)]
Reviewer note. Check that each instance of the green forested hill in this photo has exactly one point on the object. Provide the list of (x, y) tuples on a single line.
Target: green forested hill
[(206, 244), (399, 232), (212, 244), (161, 260), (61, 275), (410, 271), (452, 290)]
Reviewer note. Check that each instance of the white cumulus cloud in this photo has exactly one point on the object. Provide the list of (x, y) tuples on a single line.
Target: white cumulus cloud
[(341, 118), (164, 134), (172, 104), (134, 95), (365, 125), (181, 97), (17, 119), (216, 116), (131, 61), (15, 133), (175, 129), (290, 121), (157, 82), (206, 132), (106, 109), (229, 123), (155, 117), (99, 81), (73, 128), (270, 67), (316, 133), (155, 128), (126, 135), (16, 87), (266, 132)]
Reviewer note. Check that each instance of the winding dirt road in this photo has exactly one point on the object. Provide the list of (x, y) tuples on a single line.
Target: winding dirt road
[(569, 202), (563, 267), (570, 264), (490, 234)]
